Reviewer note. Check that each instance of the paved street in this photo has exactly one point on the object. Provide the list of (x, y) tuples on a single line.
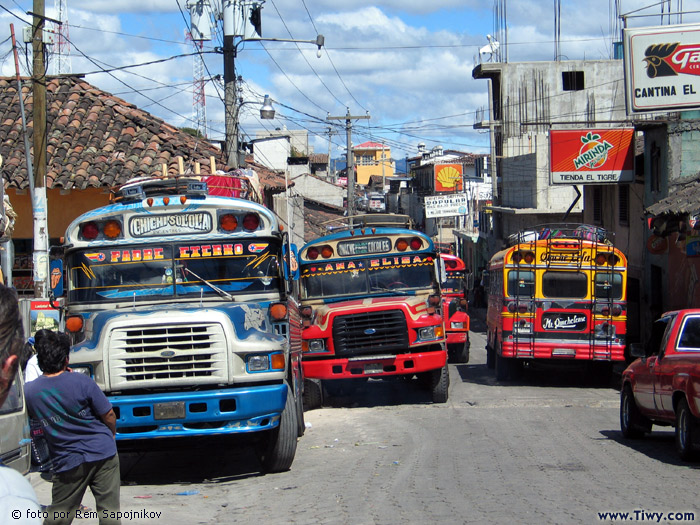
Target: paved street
[(542, 450)]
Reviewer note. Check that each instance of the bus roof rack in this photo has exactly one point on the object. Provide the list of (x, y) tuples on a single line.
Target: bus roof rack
[(142, 187), (561, 231), (390, 220)]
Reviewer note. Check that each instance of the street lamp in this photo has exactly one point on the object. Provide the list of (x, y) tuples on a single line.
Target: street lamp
[(267, 112)]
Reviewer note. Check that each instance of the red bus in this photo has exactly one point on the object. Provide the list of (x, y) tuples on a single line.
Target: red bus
[(454, 308)]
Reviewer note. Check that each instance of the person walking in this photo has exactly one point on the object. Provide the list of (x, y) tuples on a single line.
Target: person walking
[(80, 427), (18, 501)]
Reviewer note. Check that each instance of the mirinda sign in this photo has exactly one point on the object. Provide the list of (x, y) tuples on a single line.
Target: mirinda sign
[(448, 177), (591, 156)]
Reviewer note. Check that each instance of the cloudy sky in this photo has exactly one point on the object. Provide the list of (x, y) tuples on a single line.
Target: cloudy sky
[(406, 63)]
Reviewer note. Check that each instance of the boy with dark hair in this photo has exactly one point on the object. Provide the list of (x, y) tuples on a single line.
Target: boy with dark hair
[(79, 426), (18, 503)]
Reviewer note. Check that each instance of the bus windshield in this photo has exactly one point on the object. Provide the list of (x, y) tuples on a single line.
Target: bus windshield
[(367, 276), (172, 270), (455, 283)]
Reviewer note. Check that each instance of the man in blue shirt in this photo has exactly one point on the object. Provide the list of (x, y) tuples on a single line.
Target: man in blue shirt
[(79, 426), (18, 503)]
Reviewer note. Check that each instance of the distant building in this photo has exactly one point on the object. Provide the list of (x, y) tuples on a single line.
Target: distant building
[(372, 158)]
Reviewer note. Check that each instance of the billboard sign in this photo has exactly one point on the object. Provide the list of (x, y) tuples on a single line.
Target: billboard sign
[(446, 205), (591, 156), (448, 177), (662, 68)]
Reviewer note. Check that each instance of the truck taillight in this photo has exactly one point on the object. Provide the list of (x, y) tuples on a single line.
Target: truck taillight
[(89, 231), (251, 221), (74, 323), (112, 229), (228, 222), (278, 311)]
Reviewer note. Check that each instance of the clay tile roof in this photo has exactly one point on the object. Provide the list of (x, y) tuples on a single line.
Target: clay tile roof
[(318, 158), (315, 215), (97, 139)]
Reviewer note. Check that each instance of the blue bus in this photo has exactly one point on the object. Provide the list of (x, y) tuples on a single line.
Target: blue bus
[(179, 307)]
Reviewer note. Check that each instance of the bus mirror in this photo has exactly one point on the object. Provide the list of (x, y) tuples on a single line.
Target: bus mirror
[(56, 273), (291, 264), (441, 271)]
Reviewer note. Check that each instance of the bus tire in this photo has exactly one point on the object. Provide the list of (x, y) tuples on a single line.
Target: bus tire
[(276, 449), (458, 352), (632, 423), (505, 367), (490, 358), (299, 405), (687, 427), (440, 384), (313, 394)]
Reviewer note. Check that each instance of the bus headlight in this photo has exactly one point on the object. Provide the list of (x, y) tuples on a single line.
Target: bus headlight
[(265, 362), (430, 333), (258, 363), (313, 345), (81, 369), (457, 326)]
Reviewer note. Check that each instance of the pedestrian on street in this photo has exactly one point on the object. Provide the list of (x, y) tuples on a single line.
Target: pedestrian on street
[(80, 427), (18, 501)]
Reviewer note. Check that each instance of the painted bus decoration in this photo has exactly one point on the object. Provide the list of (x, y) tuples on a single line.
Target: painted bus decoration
[(371, 307), (557, 293), (179, 308)]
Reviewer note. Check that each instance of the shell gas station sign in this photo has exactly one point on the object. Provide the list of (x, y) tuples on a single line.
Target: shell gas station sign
[(591, 156), (448, 177)]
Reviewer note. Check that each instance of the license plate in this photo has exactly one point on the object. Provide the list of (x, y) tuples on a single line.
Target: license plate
[(173, 410), (374, 368)]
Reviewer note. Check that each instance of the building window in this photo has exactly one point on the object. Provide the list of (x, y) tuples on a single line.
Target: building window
[(623, 204), (597, 205), (572, 80), (366, 160)]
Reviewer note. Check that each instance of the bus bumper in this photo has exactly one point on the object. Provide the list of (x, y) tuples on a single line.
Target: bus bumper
[(564, 351), (374, 365), (204, 413), (457, 337)]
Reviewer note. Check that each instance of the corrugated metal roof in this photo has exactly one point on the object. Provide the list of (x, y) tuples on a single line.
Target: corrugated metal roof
[(681, 200)]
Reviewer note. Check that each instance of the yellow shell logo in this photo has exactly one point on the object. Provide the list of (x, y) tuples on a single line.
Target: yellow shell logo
[(449, 177)]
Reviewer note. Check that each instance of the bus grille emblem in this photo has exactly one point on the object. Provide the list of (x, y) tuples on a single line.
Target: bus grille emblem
[(167, 353), (370, 331)]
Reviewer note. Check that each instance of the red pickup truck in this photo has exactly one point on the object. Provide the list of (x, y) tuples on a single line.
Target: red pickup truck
[(662, 387)]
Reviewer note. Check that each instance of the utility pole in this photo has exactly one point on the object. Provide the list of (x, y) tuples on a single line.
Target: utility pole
[(230, 103), (350, 159), (41, 252), (330, 143)]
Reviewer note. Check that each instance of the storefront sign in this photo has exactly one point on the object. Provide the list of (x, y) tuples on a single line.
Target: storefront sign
[(662, 68), (446, 205), (591, 156), (657, 245)]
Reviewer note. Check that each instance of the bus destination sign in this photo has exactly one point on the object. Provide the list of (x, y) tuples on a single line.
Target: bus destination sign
[(173, 224), (364, 247)]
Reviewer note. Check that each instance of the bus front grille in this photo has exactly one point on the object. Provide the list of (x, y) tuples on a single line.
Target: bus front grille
[(167, 354), (370, 332)]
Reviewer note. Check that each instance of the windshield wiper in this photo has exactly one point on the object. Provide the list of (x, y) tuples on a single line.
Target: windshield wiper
[(218, 290), (395, 291)]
